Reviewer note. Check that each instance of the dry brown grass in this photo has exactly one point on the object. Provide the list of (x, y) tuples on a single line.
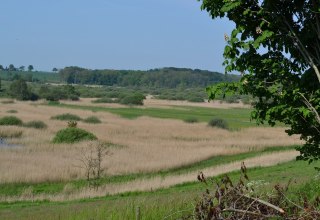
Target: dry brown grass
[(147, 144), (69, 193), (150, 101)]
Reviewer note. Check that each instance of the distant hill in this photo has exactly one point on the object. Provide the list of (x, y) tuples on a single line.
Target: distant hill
[(169, 77)]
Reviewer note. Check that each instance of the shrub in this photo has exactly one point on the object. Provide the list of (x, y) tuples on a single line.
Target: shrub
[(67, 117), (53, 103), (12, 111), (19, 90), (232, 99), (72, 135), (35, 124), (9, 101), (10, 120), (195, 99), (92, 120), (105, 100), (135, 99), (218, 122), (10, 134), (191, 120), (72, 124), (58, 93)]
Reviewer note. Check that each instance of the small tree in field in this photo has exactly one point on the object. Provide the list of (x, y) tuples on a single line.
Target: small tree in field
[(91, 162), (19, 90), (30, 68), (12, 68)]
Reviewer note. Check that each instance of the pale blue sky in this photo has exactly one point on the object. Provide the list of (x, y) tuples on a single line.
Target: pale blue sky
[(110, 34)]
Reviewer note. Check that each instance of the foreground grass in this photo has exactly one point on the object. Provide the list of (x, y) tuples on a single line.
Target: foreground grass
[(15, 189), (158, 204), (236, 117)]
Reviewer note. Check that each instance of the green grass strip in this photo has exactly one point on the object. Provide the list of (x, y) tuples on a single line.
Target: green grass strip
[(159, 203), (14, 189), (236, 117)]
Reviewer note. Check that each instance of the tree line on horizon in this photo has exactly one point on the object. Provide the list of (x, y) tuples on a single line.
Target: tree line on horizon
[(169, 77), (11, 67)]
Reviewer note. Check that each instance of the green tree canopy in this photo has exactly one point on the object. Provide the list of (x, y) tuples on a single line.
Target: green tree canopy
[(22, 68), (19, 90), (30, 68), (12, 68), (276, 47)]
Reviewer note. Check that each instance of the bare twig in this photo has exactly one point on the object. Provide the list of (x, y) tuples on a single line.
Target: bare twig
[(246, 212)]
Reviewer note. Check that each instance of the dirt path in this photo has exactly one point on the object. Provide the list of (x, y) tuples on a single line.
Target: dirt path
[(164, 182), (159, 182)]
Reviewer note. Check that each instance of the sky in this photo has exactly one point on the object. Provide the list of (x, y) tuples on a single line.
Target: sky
[(110, 34)]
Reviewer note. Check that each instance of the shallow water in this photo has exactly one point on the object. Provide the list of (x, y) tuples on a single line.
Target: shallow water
[(5, 144)]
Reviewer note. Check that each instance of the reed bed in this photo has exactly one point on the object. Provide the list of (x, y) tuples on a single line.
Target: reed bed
[(151, 184), (140, 145)]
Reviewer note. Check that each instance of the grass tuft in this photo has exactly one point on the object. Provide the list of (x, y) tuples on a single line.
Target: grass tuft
[(10, 134), (10, 120), (9, 101), (219, 123), (92, 120), (67, 117), (191, 120), (35, 124), (12, 111)]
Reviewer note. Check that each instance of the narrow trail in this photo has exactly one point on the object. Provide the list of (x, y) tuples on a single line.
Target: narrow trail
[(167, 181), (164, 182)]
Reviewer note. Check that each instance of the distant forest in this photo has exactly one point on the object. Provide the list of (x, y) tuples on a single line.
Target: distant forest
[(169, 77), (165, 83)]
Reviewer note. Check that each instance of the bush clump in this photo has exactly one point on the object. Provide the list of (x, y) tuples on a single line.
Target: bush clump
[(12, 111), (218, 122), (72, 135), (191, 120), (10, 134), (134, 99), (195, 99), (11, 120), (92, 120), (67, 117), (35, 124), (105, 100), (10, 101), (57, 93)]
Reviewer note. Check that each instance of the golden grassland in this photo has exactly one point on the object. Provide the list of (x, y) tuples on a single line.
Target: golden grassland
[(140, 145), (152, 102), (70, 193)]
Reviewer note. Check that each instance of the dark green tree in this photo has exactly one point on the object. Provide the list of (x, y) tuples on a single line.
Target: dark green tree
[(30, 68), (1, 67), (12, 68), (275, 45), (22, 68), (19, 90), (54, 70)]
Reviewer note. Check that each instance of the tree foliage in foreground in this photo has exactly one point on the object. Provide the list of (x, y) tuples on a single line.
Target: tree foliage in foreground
[(276, 47)]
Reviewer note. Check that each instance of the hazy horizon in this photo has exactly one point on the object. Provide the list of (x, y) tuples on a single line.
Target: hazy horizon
[(119, 35)]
